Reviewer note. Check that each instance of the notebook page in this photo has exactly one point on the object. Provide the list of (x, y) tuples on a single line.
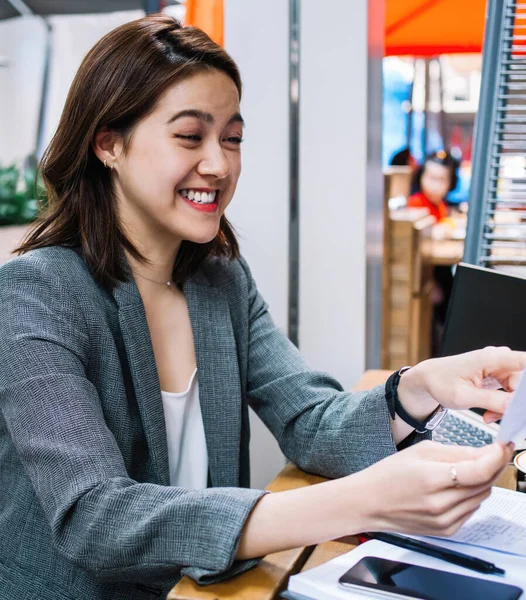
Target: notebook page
[(500, 523)]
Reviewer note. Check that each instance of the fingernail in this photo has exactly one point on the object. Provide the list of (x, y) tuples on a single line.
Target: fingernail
[(511, 446)]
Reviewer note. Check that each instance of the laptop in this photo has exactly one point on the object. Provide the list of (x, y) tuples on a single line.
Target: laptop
[(487, 308)]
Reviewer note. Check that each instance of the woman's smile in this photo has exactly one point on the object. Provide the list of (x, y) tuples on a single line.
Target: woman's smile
[(201, 199)]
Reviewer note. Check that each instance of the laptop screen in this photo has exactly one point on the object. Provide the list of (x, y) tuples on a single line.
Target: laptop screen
[(486, 308)]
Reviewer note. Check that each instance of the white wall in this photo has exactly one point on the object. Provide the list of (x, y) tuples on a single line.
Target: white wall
[(260, 210), (333, 166), (73, 37), (22, 42), (340, 180), (256, 35)]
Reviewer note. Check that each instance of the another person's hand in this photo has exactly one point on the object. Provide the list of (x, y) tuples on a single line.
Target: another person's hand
[(469, 380), (443, 229), (429, 488)]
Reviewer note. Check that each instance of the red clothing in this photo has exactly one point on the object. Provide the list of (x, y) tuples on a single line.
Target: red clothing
[(419, 200)]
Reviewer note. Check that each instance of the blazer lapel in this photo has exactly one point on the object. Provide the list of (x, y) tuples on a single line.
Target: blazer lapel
[(218, 376), (141, 359)]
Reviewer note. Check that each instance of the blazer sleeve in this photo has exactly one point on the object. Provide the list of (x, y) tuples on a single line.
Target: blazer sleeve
[(108, 524), (319, 426)]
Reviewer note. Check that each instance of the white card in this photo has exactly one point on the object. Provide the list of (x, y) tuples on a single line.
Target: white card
[(513, 423)]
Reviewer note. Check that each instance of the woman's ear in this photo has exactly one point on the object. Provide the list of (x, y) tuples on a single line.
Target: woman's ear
[(107, 146)]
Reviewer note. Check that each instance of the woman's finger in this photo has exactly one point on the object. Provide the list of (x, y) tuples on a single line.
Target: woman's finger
[(481, 470), (460, 511), (455, 496), (500, 361), (454, 527), (490, 417), (473, 397), (510, 384)]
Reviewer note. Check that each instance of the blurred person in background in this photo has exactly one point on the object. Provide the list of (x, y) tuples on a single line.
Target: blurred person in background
[(432, 182)]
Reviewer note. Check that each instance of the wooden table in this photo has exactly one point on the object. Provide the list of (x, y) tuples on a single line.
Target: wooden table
[(270, 577)]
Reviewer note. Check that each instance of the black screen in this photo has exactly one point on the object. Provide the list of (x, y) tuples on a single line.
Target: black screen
[(427, 584), (486, 308)]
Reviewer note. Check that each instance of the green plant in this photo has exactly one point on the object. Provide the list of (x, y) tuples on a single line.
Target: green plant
[(18, 194)]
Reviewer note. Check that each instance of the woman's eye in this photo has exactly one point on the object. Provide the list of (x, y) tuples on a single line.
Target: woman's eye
[(234, 140), (191, 138)]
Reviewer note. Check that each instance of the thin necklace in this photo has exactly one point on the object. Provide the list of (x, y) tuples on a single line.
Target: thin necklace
[(166, 283)]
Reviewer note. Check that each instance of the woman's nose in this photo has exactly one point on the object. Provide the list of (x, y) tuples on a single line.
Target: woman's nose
[(215, 163)]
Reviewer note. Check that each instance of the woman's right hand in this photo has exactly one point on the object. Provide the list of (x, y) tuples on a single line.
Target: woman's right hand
[(414, 491)]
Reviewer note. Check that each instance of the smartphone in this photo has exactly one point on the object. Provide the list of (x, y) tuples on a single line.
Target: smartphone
[(382, 577)]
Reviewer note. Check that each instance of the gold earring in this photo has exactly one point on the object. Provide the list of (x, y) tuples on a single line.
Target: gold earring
[(105, 163), (106, 166)]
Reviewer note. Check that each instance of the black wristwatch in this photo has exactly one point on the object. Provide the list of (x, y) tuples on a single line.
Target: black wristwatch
[(396, 408)]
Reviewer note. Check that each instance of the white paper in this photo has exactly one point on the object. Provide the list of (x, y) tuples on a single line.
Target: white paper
[(322, 582), (513, 423), (500, 524)]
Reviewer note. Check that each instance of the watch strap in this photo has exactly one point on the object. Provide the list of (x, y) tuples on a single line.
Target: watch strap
[(396, 408), (391, 390), (418, 426)]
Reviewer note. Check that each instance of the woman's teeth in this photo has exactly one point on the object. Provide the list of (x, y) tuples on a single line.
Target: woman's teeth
[(199, 197)]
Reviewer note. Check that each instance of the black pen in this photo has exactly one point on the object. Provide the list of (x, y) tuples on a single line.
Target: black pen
[(451, 556)]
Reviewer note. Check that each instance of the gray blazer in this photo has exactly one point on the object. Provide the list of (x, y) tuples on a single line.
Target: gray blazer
[(86, 509)]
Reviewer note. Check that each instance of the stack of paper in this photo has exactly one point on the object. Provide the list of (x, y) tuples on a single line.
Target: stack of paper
[(496, 533), (500, 524)]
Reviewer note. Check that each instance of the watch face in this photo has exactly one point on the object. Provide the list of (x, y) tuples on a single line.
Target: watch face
[(436, 418)]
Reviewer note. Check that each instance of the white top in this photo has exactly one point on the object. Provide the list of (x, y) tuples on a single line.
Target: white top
[(185, 434)]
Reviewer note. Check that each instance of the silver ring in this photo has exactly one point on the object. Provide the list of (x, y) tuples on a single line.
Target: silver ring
[(454, 475)]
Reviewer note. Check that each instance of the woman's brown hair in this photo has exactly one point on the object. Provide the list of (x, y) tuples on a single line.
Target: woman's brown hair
[(118, 84)]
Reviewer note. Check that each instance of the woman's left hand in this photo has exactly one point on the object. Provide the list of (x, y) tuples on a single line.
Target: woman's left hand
[(470, 380)]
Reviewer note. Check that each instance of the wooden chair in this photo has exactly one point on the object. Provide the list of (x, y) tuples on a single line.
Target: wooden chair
[(406, 277), (407, 288)]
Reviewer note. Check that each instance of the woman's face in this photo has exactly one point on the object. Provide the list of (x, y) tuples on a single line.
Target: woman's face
[(435, 181), (183, 162)]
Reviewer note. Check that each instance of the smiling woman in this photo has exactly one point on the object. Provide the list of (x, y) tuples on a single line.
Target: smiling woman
[(172, 165), (125, 108), (133, 340)]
